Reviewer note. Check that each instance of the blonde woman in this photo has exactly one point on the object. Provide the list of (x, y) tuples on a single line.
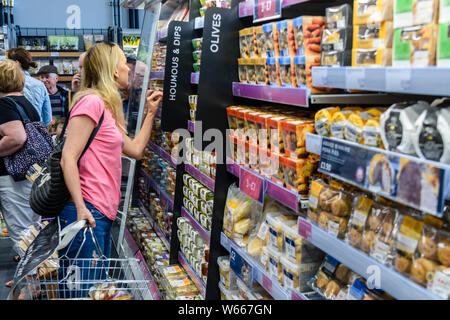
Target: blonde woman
[(94, 184)]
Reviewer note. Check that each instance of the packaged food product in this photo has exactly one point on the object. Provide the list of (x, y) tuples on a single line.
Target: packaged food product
[(277, 169), (227, 277), (197, 43), (275, 223), (276, 134), (294, 136), (314, 61), (339, 17), (197, 56), (415, 12), (286, 71), (324, 281), (339, 121), (251, 42), (274, 264), (240, 122), (251, 71), (371, 57), (260, 69), (273, 71), (297, 25), (260, 42), (406, 241), (358, 220), (336, 58), (242, 65), (299, 79), (232, 121), (271, 39), (415, 46), (372, 11), (370, 36), (398, 125), (283, 38), (252, 129), (296, 175), (334, 225), (291, 274), (353, 130), (372, 133), (336, 39), (244, 45), (312, 34), (226, 294), (323, 119), (443, 50), (431, 136)]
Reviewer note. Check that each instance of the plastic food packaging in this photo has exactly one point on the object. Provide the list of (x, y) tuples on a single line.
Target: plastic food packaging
[(398, 125), (415, 12), (297, 25), (370, 36), (276, 134), (274, 264), (299, 80), (443, 50), (297, 174), (251, 71), (339, 17), (355, 124), (358, 218), (197, 43), (336, 58), (336, 40), (242, 70), (260, 69), (415, 46), (251, 42), (275, 223), (372, 11), (277, 169), (371, 57), (312, 34), (339, 121), (197, 56), (372, 133), (252, 129), (244, 45), (286, 71), (271, 39), (273, 71), (294, 136), (431, 140), (227, 277), (260, 42), (325, 282), (323, 119)]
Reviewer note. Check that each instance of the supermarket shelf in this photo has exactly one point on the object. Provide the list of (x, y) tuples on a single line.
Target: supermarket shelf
[(192, 274), (358, 98), (275, 191), (314, 145), (292, 96), (191, 126), (246, 7), (196, 225), (260, 275), (56, 54), (155, 225), (163, 154), (390, 281), (156, 75), (199, 22), (424, 81), (195, 77), (161, 193), (200, 176), (134, 250)]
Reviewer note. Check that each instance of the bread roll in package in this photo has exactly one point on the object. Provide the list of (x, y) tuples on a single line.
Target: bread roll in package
[(431, 139), (241, 216)]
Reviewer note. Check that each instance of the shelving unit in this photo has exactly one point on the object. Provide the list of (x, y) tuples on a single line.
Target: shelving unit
[(246, 8), (206, 235), (192, 274), (163, 154), (161, 193), (55, 54), (154, 224), (200, 176)]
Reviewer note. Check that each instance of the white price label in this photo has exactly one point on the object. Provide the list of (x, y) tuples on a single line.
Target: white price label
[(54, 54), (333, 228), (398, 79), (320, 76), (441, 285)]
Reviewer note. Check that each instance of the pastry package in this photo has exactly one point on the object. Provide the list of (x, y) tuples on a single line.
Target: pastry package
[(299, 79), (276, 134), (443, 49), (355, 124), (431, 139), (339, 17), (336, 58), (373, 36), (372, 57), (372, 11), (339, 121), (415, 46), (251, 70), (271, 39), (358, 219), (336, 40), (315, 189), (294, 136), (259, 39), (406, 241), (372, 133), (322, 120), (273, 71), (283, 37), (286, 71), (324, 281), (241, 214), (240, 121), (260, 69), (242, 65), (398, 125), (409, 13)]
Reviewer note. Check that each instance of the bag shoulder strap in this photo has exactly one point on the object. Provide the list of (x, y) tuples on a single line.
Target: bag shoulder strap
[(22, 113), (93, 134)]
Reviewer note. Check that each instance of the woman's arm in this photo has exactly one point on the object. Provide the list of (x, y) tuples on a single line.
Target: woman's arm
[(134, 148), (78, 133), (13, 137)]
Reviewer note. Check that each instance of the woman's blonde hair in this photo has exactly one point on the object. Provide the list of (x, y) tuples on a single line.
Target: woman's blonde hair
[(12, 78), (97, 77)]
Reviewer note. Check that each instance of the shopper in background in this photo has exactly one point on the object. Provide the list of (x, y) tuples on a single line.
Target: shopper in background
[(76, 80), (94, 184), (59, 96), (14, 195), (34, 90)]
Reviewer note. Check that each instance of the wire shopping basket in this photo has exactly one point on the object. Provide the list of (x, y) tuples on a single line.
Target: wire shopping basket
[(97, 278)]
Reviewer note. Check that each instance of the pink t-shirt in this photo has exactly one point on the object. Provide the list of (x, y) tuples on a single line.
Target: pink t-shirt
[(100, 167)]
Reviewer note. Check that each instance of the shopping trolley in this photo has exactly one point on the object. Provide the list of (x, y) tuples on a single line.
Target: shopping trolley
[(97, 278)]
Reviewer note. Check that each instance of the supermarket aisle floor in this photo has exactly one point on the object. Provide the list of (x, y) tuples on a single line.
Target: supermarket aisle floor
[(7, 266)]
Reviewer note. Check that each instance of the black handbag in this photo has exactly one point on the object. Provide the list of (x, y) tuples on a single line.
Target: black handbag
[(49, 193)]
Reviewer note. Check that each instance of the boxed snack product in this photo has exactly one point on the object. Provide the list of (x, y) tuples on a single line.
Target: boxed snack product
[(242, 65), (245, 38), (227, 277), (409, 13), (283, 37), (260, 70), (370, 36), (296, 174), (314, 61), (372, 11), (259, 42), (251, 42), (415, 46), (271, 39), (324, 282), (277, 169), (339, 17), (299, 80), (251, 71), (252, 129), (322, 120), (286, 71), (297, 25), (443, 50), (336, 39), (294, 135), (276, 134), (273, 71), (371, 57), (309, 29)]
